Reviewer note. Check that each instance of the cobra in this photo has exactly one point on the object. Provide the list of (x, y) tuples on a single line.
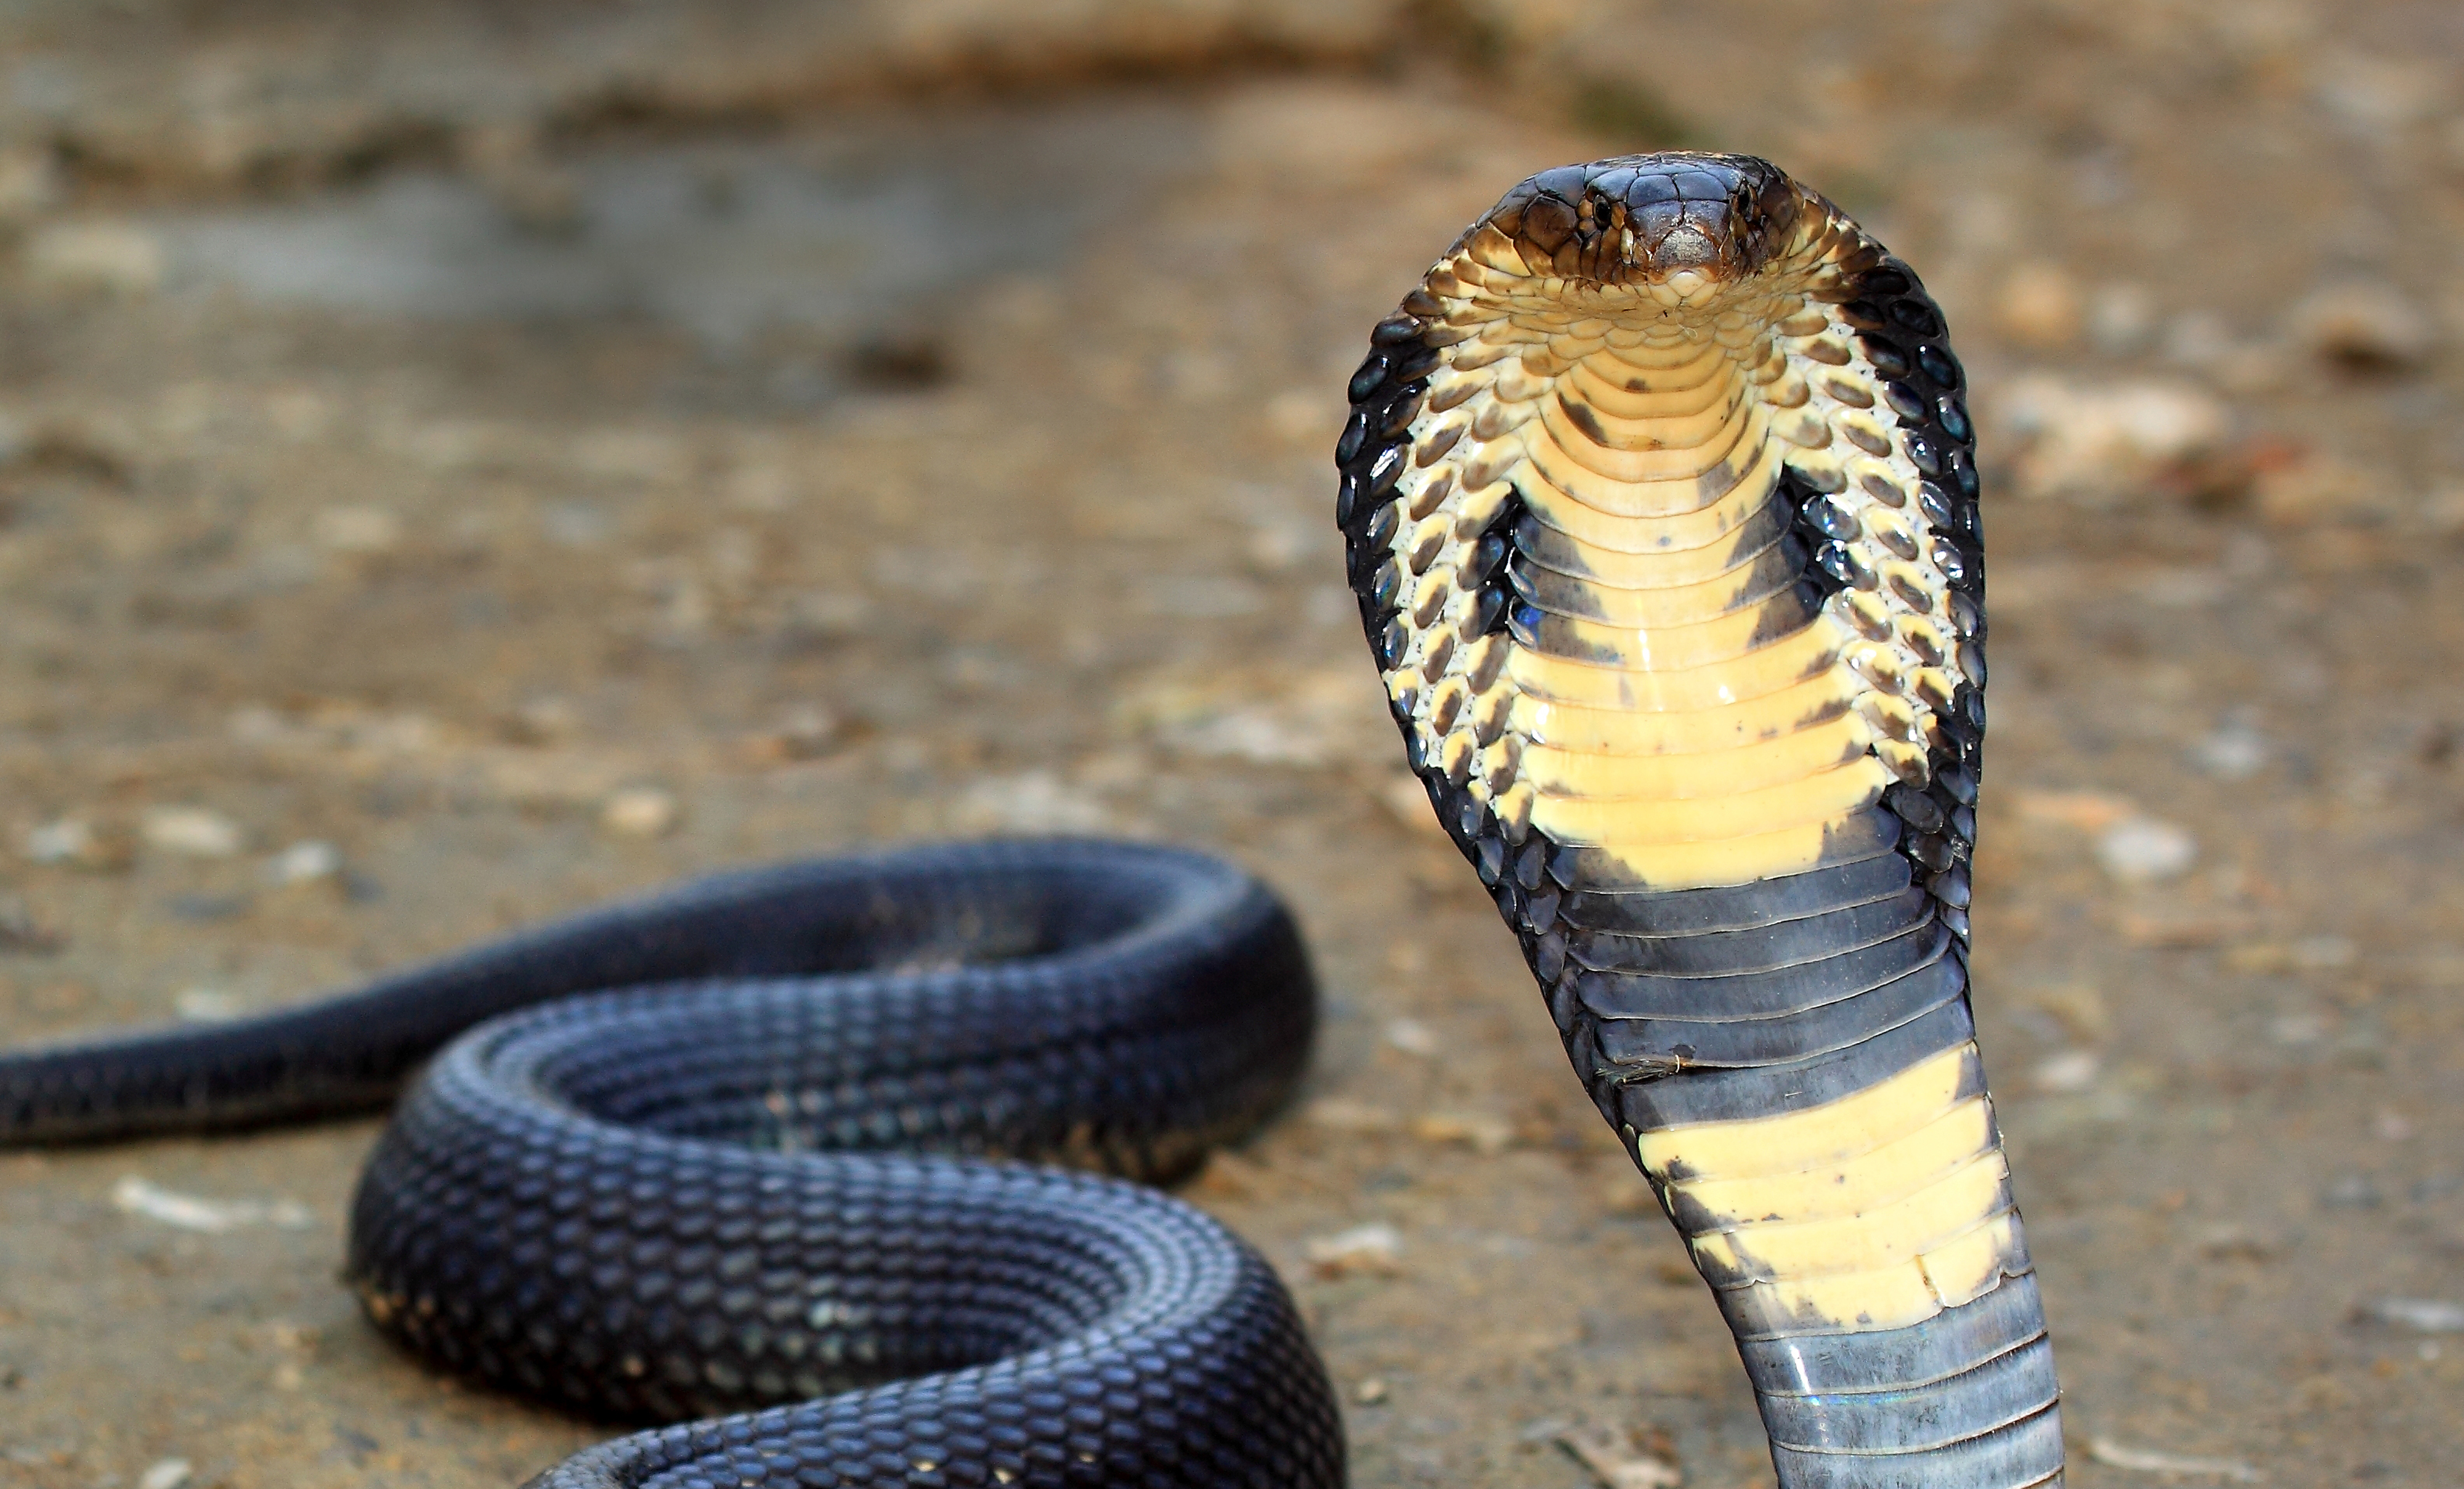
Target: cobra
[(1662, 509), (1685, 639)]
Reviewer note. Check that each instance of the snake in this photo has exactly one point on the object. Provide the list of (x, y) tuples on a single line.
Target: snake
[(1660, 502)]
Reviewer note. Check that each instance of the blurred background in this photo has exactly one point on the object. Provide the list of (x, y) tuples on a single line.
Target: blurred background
[(462, 461)]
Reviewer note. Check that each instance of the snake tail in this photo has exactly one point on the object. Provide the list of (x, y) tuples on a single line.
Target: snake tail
[(787, 1183), (1661, 507)]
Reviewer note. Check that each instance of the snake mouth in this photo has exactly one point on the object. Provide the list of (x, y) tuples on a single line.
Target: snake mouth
[(1689, 221)]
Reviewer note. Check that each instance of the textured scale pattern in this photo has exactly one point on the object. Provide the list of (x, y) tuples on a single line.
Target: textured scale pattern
[(678, 1200), (1660, 504)]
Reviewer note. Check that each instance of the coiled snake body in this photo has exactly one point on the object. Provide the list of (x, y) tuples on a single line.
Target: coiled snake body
[(1659, 506)]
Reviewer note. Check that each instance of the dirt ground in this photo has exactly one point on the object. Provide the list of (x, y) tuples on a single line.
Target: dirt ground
[(402, 543)]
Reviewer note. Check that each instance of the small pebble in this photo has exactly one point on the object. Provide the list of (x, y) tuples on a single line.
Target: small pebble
[(2442, 511), (2295, 1031), (2154, 1460), (1030, 801), (2121, 319), (2320, 488), (190, 832), (167, 1473), (1412, 1036), (2352, 1192), (2366, 325), (74, 843), (1371, 1391), (542, 721), (2232, 751), (1612, 1462), (95, 257), (2067, 1074), (212, 1216), (30, 182), (308, 861), (2421, 1315), (208, 1005), (2101, 443), (1374, 1249), (1342, 1114), (358, 530), (2039, 306), (640, 812), (1481, 1133), (2229, 1241), (23, 931), (2146, 850), (807, 732), (2308, 954)]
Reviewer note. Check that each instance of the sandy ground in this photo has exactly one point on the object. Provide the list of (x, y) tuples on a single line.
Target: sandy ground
[(390, 561)]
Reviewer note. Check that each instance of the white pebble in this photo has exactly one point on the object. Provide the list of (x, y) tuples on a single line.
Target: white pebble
[(190, 831), (167, 1473), (2144, 849), (305, 862), (2156, 1460), (192, 1212), (2231, 752), (208, 1005), (67, 841), (2067, 1074), (2422, 1315), (1412, 1036), (1375, 1247), (640, 812)]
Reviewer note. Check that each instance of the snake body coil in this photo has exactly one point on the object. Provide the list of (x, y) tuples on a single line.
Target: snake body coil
[(1662, 515), (681, 1199), (1661, 508)]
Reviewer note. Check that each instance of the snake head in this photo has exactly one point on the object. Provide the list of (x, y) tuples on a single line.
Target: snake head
[(1689, 221)]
